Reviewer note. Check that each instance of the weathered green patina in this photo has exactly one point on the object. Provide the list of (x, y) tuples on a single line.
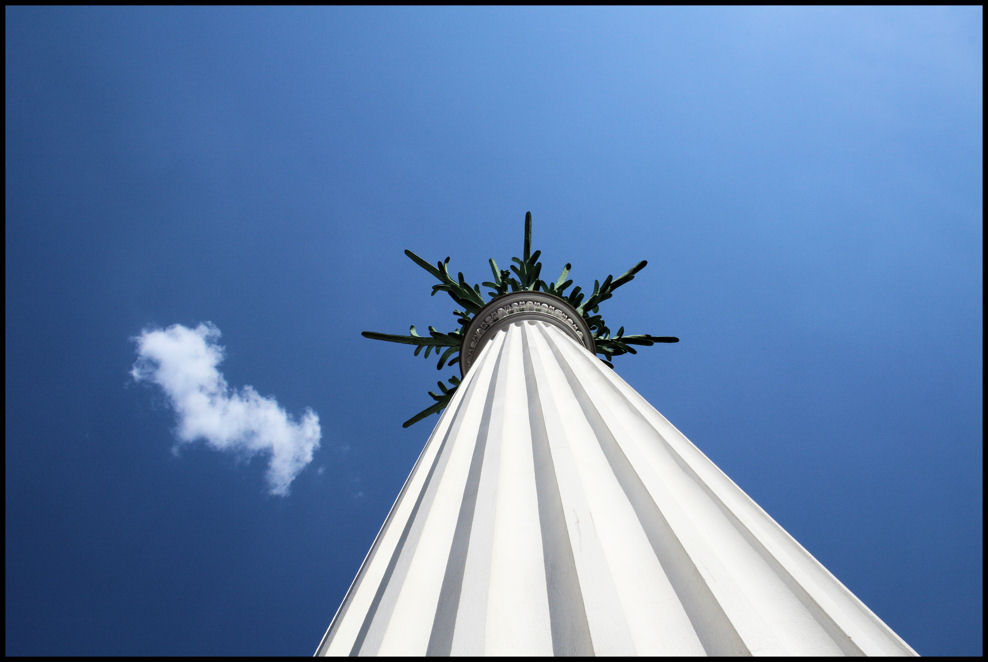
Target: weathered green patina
[(526, 272)]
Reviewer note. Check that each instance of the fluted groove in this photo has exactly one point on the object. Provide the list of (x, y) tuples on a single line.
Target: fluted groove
[(553, 510), (379, 615), (649, 605), (784, 627), (772, 619), (471, 617), (608, 627), (421, 561), (567, 615), (441, 638), (518, 604), (711, 625), (348, 629), (345, 629)]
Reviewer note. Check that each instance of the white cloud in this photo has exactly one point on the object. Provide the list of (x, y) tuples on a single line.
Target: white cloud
[(182, 361)]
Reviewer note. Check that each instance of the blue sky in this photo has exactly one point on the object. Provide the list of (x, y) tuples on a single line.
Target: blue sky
[(806, 184)]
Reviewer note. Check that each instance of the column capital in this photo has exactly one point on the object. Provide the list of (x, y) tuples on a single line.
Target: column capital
[(518, 306)]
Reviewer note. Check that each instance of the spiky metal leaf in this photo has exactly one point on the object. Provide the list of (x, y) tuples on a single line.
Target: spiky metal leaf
[(463, 294), (433, 341), (441, 400)]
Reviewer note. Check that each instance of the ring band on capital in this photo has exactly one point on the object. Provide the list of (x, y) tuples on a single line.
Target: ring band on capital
[(516, 307)]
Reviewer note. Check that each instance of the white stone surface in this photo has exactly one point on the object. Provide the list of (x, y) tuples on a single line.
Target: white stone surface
[(555, 511)]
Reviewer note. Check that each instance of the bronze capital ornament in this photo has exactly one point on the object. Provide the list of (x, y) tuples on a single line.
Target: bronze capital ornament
[(515, 297)]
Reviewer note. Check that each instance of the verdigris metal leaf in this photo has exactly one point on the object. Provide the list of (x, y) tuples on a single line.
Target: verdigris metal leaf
[(527, 269)]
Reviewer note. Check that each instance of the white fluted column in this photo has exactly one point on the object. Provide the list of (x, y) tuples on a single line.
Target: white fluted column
[(555, 511)]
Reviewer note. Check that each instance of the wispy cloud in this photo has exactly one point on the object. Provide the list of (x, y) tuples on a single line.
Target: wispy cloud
[(183, 362)]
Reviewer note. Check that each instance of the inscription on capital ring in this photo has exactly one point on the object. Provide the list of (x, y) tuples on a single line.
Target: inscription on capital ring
[(518, 306)]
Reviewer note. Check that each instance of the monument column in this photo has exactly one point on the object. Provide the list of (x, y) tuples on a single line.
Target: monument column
[(553, 510)]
